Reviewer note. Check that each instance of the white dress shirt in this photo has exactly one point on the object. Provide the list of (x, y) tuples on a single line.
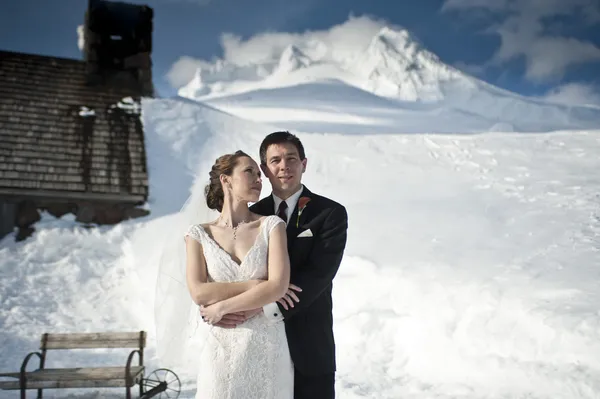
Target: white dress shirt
[(271, 310), (291, 203)]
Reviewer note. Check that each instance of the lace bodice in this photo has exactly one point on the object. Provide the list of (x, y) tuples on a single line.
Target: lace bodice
[(220, 265)]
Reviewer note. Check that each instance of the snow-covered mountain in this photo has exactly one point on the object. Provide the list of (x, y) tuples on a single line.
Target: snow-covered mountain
[(396, 65), (291, 60), (420, 92)]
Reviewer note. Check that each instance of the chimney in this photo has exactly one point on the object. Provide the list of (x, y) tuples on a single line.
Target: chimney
[(118, 45)]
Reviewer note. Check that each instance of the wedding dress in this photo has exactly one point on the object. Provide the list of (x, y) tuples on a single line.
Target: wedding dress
[(251, 361)]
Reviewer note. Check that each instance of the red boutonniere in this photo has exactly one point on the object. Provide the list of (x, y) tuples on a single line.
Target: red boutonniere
[(301, 205)]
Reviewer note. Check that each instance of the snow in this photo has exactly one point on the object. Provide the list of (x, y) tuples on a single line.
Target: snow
[(129, 105), (86, 112), (470, 269), (471, 265)]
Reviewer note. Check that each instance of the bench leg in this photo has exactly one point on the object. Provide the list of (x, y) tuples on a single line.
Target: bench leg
[(23, 386), (23, 389)]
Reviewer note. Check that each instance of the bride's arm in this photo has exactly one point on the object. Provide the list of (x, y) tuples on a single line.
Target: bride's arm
[(265, 292), (203, 292)]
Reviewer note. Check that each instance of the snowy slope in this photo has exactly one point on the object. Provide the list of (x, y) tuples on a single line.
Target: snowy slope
[(470, 271), (419, 93)]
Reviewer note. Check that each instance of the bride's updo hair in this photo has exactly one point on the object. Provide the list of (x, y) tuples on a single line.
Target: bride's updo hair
[(224, 165)]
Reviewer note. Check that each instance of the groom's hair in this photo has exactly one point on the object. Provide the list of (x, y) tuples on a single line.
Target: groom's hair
[(280, 138)]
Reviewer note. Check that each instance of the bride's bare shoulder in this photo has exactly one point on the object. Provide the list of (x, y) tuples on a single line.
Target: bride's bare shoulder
[(208, 225), (258, 218)]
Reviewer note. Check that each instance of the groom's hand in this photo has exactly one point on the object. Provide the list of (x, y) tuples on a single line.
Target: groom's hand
[(231, 320), (251, 313), (289, 297)]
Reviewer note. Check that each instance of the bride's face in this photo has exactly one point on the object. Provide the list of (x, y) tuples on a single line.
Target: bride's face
[(246, 182)]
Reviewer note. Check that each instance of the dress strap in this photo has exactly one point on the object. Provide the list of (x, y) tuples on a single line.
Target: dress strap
[(196, 232), (269, 224)]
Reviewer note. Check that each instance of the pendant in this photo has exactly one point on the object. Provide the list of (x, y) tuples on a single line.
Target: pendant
[(227, 224)]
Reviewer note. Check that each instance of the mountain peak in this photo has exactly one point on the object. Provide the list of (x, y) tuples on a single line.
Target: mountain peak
[(291, 59), (395, 64)]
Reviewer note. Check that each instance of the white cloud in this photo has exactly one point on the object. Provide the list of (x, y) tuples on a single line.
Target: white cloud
[(338, 42), (540, 8), (81, 37), (344, 39), (466, 4), (550, 57), (523, 33), (183, 70), (574, 94)]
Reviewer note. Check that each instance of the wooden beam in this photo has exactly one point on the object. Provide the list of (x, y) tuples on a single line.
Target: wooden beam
[(94, 340), (94, 336), (93, 344), (67, 196), (99, 377), (78, 374)]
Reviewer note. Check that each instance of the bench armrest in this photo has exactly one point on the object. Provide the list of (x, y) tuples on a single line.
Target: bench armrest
[(29, 356), (22, 376)]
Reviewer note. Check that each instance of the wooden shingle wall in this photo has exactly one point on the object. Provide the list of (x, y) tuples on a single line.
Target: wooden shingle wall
[(61, 137)]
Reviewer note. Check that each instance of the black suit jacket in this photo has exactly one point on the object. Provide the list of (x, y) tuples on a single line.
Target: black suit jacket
[(314, 261)]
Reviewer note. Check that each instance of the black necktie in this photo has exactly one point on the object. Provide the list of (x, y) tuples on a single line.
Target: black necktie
[(281, 211)]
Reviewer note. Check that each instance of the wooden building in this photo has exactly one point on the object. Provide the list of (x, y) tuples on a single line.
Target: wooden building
[(71, 137)]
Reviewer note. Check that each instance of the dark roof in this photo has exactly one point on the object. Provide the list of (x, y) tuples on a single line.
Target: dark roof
[(51, 147)]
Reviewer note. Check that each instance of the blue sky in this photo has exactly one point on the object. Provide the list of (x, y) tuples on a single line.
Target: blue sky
[(534, 47)]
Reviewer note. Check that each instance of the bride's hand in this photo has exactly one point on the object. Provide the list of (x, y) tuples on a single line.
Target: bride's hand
[(289, 297), (211, 314)]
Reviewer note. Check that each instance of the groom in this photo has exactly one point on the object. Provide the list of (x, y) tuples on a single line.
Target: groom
[(316, 231)]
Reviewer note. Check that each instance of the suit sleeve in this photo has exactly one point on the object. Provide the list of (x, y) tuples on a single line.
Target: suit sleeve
[(324, 261)]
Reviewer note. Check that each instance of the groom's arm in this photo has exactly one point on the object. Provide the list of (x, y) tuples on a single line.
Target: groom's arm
[(324, 261)]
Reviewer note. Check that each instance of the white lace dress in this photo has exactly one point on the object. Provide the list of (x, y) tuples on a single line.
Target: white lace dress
[(251, 361)]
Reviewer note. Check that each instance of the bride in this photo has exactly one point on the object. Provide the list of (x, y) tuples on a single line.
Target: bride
[(236, 263)]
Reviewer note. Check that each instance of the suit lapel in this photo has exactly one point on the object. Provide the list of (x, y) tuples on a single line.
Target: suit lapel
[(266, 206)]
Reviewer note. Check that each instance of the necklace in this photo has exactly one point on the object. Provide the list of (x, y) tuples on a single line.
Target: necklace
[(234, 228)]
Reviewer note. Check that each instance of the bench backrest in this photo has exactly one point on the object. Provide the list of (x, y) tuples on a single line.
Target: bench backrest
[(94, 340)]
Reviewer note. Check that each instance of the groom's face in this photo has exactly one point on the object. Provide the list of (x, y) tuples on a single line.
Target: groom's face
[(284, 169)]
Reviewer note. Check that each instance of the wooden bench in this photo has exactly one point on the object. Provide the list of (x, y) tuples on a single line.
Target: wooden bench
[(93, 377)]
